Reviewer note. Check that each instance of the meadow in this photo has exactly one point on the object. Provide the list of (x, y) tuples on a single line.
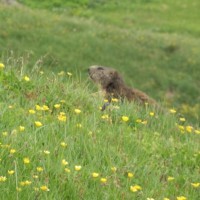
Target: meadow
[(56, 143)]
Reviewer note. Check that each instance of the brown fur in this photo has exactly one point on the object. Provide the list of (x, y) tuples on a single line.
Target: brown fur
[(113, 85)]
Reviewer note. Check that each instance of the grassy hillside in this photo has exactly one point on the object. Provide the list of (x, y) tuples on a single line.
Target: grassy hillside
[(155, 45), (56, 144)]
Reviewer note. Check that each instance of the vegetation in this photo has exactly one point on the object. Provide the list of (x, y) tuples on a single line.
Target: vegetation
[(56, 143)]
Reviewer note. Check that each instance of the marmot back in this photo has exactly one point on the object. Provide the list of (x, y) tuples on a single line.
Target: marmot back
[(113, 85)]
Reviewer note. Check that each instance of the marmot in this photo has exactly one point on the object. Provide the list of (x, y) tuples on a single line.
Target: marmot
[(113, 85)]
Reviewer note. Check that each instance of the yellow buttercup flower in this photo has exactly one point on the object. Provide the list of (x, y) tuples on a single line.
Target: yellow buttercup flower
[(77, 111), (130, 175), (26, 78), (189, 129), (182, 119), (69, 74), (3, 178), (62, 117), (11, 172), (12, 151), (46, 152), (45, 107), (173, 111), (67, 170), (26, 160), (31, 111), (181, 198), (40, 169), (135, 188), (63, 144), (151, 114), (95, 175), (38, 124), (64, 162), (195, 185), (103, 180), (44, 188), (170, 178), (125, 118), (21, 128), (113, 169), (57, 106), (114, 100), (77, 167), (2, 66)]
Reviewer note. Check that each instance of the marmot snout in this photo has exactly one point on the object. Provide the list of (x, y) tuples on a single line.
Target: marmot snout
[(113, 85)]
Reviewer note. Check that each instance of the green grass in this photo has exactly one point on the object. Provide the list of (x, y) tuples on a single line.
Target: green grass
[(153, 148)]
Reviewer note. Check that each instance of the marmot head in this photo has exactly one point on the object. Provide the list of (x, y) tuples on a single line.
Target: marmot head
[(108, 78)]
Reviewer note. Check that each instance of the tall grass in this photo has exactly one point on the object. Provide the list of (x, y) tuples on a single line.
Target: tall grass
[(56, 144)]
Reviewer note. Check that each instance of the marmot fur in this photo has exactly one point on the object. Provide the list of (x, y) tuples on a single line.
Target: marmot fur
[(113, 85)]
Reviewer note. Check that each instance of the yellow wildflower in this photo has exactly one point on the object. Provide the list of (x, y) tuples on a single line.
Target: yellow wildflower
[(69, 74), (5, 133), (35, 176), (3, 178), (130, 175), (2, 66), (105, 100), (151, 114), (104, 117), (26, 160), (38, 124), (64, 162), (113, 169), (40, 169), (45, 107), (170, 178), (135, 188), (95, 175), (21, 128), (103, 180), (77, 167), (173, 111), (63, 144), (195, 185), (138, 120), (197, 131), (182, 119), (114, 100), (125, 118), (26, 78), (12, 151), (166, 198), (189, 129), (181, 198), (11, 172), (37, 107), (57, 106), (44, 188), (31, 111), (67, 170), (77, 111), (46, 152), (62, 117)]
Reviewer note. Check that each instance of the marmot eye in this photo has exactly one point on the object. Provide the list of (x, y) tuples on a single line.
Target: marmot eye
[(100, 68)]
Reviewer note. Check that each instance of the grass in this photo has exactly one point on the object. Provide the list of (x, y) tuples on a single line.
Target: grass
[(144, 40), (56, 143)]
